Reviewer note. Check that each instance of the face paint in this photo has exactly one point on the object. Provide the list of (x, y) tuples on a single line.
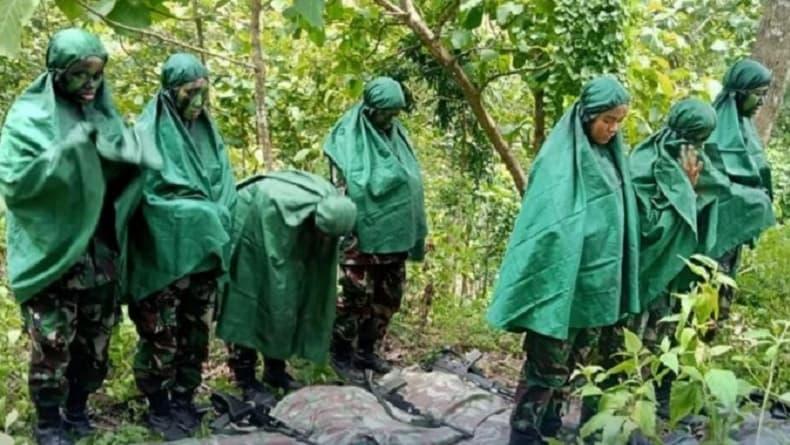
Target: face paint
[(191, 98), (82, 80), (383, 119), (753, 101)]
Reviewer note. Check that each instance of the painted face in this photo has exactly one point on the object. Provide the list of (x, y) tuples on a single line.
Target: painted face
[(753, 100), (383, 119), (605, 125), (191, 98), (82, 79)]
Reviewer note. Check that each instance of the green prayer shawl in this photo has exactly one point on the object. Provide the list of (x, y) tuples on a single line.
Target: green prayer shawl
[(382, 175), (61, 164), (572, 257), (674, 222), (736, 136), (282, 291), (186, 219), (745, 209)]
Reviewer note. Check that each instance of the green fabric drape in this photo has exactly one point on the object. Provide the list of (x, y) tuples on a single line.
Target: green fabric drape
[(571, 261), (61, 164), (186, 218), (382, 174), (282, 290)]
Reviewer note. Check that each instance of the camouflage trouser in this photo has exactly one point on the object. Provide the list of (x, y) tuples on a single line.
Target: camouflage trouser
[(543, 386), (70, 333), (728, 264), (174, 326), (371, 295)]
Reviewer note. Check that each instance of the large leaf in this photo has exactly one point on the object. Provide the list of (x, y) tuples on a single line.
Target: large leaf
[(644, 415), (723, 384), (685, 398), (312, 11), (16, 14), (73, 10)]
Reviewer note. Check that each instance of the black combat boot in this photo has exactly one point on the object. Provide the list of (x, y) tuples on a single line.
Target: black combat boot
[(367, 358), (184, 412), (159, 418), (341, 360), (75, 420), (274, 374), (49, 429)]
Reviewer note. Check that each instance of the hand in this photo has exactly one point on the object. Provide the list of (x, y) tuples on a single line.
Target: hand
[(690, 163)]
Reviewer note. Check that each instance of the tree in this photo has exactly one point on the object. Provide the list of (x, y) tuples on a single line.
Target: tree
[(772, 48)]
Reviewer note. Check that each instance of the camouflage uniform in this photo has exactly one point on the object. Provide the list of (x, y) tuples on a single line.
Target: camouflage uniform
[(372, 289), (543, 386), (173, 326), (70, 324)]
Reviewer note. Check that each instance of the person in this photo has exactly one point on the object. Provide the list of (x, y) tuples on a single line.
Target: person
[(372, 160), (70, 175), (571, 263), (677, 194), (282, 292), (739, 154), (180, 247)]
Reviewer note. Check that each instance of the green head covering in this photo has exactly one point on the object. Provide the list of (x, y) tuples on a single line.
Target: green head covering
[(282, 292), (382, 174), (335, 215), (192, 196), (181, 68), (601, 94), (692, 120), (56, 159), (571, 261), (739, 149), (384, 93), (745, 75), (72, 45)]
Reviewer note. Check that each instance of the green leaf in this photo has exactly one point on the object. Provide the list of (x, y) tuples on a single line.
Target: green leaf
[(723, 384), (614, 400), (13, 336), (302, 154), (474, 18), (460, 38), (519, 60), (10, 418), (131, 14), (590, 390), (488, 55), (466, 5), (632, 342), (596, 423), (685, 398), (70, 8), (670, 360), (692, 372), (5, 439), (644, 416), (312, 11), (504, 12), (719, 350), (785, 398), (16, 14)]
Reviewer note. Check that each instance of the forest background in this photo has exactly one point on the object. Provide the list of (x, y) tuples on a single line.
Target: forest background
[(487, 79)]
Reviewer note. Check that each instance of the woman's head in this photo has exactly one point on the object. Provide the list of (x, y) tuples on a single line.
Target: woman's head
[(693, 120), (604, 105), (185, 79), (750, 80), (77, 59), (383, 99)]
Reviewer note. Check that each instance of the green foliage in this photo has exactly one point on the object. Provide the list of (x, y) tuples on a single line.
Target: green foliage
[(16, 14)]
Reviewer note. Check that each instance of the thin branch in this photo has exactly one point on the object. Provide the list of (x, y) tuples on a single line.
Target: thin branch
[(514, 72), (379, 37), (390, 7), (162, 38), (446, 15)]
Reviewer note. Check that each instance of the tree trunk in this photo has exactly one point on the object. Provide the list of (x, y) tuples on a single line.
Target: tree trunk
[(199, 28), (539, 118), (261, 119), (407, 14), (772, 48)]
